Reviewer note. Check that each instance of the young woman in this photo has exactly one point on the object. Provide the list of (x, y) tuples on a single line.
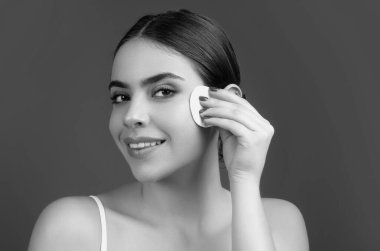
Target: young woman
[(178, 202)]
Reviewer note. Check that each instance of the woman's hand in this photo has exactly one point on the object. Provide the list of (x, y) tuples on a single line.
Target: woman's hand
[(245, 134)]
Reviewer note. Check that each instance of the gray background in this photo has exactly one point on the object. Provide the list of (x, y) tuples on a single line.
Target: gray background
[(309, 67)]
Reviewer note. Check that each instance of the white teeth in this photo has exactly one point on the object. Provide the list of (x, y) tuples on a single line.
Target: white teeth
[(143, 144)]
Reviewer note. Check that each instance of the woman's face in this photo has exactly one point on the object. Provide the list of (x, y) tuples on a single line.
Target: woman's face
[(150, 87)]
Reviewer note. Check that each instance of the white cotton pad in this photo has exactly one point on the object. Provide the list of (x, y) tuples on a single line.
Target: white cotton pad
[(195, 106)]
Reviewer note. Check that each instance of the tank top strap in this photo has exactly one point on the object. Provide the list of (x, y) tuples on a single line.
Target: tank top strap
[(103, 245)]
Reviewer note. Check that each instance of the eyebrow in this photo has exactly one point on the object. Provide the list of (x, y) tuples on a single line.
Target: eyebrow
[(147, 81)]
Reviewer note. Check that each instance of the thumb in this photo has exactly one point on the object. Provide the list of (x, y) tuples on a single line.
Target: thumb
[(224, 134)]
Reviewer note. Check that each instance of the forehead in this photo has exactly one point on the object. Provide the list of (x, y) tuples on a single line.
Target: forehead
[(139, 59)]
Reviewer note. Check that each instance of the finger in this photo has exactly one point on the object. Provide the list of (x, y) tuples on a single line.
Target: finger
[(234, 127), (249, 120), (233, 98), (238, 108), (227, 96)]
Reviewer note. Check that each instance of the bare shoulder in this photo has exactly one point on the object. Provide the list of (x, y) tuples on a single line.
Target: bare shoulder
[(69, 223), (287, 224), (278, 209)]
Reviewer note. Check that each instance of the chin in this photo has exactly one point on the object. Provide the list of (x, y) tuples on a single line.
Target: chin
[(149, 174)]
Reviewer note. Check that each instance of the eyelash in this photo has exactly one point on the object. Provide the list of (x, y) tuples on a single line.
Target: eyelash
[(165, 89), (115, 96)]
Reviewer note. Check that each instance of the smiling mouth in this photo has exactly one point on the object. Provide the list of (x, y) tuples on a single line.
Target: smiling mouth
[(144, 145)]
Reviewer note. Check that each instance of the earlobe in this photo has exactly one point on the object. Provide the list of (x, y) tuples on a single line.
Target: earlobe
[(234, 88)]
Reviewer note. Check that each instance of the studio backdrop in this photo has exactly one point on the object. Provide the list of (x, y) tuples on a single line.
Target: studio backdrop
[(310, 67)]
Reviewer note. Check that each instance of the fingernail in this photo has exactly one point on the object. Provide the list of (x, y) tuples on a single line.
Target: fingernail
[(202, 110), (213, 89), (203, 98)]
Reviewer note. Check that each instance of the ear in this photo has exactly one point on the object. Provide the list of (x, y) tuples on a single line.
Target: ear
[(234, 88)]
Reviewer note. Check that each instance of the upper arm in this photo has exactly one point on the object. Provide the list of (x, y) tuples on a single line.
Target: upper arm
[(287, 225), (66, 224)]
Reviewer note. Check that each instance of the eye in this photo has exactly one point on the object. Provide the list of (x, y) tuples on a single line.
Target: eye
[(164, 92), (118, 98)]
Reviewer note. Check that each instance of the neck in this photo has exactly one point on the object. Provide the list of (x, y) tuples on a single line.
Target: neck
[(188, 197)]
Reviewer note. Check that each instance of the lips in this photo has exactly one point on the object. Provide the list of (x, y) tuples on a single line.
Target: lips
[(140, 147)]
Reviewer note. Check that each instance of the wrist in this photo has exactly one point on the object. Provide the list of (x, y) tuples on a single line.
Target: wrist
[(244, 179), (243, 187)]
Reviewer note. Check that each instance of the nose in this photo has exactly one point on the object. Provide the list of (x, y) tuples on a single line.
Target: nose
[(137, 114)]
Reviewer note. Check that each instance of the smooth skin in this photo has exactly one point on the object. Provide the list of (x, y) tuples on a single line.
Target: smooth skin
[(178, 202)]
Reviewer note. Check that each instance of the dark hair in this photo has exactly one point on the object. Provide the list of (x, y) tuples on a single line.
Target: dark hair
[(197, 38), (194, 36)]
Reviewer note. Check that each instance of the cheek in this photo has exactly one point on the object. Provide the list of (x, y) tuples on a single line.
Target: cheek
[(176, 121), (175, 117)]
